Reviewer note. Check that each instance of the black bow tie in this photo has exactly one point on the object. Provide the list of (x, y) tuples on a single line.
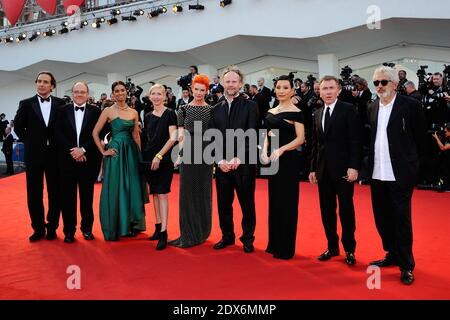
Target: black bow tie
[(79, 108), (44, 99)]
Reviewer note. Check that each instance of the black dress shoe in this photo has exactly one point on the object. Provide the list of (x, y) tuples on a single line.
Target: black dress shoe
[(88, 235), (350, 258), (69, 238), (36, 236), (407, 277), (249, 248), (51, 234), (223, 244), (328, 254), (386, 262)]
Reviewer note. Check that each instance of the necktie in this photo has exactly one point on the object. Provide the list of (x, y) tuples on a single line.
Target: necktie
[(79, 108), (327, 118), (44, 99)]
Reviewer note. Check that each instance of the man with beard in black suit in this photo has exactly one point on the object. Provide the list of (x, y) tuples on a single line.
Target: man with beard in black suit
[(35, 126), (78, 161), (398, 132), (234, 171)]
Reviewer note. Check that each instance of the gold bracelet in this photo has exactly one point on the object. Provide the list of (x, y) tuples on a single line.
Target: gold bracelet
[(159, 156)]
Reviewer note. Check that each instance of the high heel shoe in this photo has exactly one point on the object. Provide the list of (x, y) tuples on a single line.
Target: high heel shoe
[(155, 235), (162, 242)]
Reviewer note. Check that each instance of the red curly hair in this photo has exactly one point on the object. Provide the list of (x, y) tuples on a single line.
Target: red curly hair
[(201, 79)]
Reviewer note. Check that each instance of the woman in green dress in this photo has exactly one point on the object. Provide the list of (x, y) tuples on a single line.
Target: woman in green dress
[(122, 211)]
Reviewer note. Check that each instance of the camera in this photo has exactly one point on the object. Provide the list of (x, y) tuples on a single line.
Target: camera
[(185, 81), (421, 72), (310, 80), (389, 64), (132, 91), (346, 81)]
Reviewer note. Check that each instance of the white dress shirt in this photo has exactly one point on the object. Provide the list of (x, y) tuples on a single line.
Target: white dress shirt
[(79, 115), (46, 107), (331, 106), (382, 169)]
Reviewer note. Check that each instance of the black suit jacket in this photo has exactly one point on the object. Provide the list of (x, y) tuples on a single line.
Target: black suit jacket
[(340, 146), (243, 115), (30, 127), (406, 133), (66, 137)]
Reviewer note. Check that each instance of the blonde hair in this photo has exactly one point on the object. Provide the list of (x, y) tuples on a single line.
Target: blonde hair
[(157, 86)]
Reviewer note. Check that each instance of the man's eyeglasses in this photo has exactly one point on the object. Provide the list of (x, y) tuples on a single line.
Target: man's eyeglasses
[(383, 82)]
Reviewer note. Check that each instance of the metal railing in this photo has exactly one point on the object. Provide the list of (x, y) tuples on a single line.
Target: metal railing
[(84, 15), (32, 12)]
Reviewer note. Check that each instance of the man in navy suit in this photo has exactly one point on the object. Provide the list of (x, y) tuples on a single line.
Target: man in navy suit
[(78, 161), (398, 133), (35, 126)]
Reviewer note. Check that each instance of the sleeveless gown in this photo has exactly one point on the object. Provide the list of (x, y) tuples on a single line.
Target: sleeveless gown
[(123, 191), (284, 188)]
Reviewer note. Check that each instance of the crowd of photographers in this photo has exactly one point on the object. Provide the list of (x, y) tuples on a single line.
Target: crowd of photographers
[(433, 92)]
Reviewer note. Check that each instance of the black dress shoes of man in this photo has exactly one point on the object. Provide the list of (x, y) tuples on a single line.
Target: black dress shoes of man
[(249, 248), (407, 277), (88, 235), (51, 234), (328, 254), (36, 236), (385, 262), (350, 258), (69, 238), (223, 244)]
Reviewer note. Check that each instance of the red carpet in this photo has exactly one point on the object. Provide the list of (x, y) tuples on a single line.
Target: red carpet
[(133, 269)]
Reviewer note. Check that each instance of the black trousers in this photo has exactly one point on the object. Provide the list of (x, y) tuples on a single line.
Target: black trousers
[(244, 185), (329, 189), (79, 176), (9, 163), (35, 188), (391, 205)]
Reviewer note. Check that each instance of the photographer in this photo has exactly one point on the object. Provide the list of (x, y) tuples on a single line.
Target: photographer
[(444, 159), (347, 85), (185, 81), (411, 91), (434, 101), (402, 82)]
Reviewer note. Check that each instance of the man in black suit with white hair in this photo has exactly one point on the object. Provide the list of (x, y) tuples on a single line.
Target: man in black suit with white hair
[(398, 132)]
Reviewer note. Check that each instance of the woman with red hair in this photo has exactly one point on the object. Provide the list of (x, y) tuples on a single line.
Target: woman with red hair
[(195, 176)]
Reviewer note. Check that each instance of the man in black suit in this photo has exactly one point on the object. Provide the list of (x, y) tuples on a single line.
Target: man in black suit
[(78, 161), (35, 126), (398, 132), (259, 99), (335, 161), (266, 95), (7, 149), (215, 85), (3, 125), (235, 171)]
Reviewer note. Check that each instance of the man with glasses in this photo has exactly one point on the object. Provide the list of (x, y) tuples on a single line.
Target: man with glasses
[(398, 131), (78, 161)]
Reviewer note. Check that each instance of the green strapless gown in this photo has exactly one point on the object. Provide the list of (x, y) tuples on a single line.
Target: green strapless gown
[(123, 191)]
